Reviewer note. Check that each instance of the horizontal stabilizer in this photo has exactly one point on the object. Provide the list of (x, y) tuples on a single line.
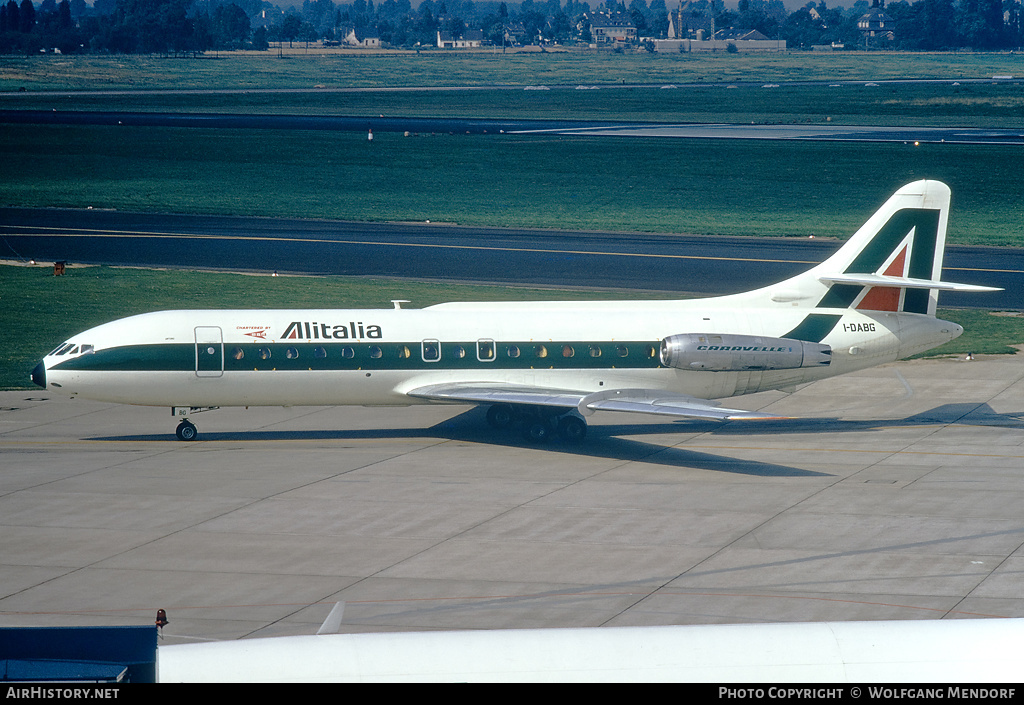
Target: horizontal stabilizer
[(902, 282), (640, 401)]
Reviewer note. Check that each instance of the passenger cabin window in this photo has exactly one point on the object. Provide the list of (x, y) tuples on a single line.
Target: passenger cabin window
[(595, 351), (540, 350), (430, 350), (567, 351), (459, 352), (485, 350), (512, 351), (237, 353), (319, 352), (346, 352), (376, 352), (622, 350), (291, 353)]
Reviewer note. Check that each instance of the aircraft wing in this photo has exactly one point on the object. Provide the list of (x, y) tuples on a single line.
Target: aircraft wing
[(639, 401), (482, 393)]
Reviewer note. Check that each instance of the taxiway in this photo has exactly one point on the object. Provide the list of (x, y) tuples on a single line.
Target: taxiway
[(896, 494)]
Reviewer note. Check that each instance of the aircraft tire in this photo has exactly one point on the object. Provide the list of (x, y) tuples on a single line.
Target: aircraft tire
[(186, 431), (537, 432), (572, 429), (501, 415)]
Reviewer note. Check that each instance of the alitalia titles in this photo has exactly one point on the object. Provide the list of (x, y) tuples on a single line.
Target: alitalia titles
[(312, 330)]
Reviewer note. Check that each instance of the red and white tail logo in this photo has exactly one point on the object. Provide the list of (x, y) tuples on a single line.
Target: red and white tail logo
[(886, 298)]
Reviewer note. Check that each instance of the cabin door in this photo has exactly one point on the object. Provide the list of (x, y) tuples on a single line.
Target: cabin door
[(209, 351)]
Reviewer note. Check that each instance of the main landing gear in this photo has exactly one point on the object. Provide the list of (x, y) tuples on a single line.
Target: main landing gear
[(538, 423)]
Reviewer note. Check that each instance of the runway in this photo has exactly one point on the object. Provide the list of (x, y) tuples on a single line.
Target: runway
[(677, 264), (497, 126), (833, 133), (896, 494)]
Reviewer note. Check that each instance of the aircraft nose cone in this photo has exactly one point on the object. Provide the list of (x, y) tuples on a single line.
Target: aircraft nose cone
[(39, 375)]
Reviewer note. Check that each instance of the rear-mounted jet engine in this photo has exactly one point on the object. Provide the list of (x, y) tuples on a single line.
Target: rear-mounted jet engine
[(736, 353)]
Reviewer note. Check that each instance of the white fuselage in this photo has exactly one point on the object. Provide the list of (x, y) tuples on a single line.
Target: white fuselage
[(374, 357)]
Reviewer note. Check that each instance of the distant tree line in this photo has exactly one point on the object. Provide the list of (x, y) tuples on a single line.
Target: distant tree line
[(930, 25), (195, 26), (127, 26)]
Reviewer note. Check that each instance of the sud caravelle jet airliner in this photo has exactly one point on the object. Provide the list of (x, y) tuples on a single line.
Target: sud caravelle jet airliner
[(542, 366)]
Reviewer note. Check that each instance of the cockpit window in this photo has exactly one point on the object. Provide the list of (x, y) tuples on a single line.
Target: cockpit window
[(73, 349)]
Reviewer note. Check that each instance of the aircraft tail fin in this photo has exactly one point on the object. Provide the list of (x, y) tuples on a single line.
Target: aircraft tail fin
[(894, 261)]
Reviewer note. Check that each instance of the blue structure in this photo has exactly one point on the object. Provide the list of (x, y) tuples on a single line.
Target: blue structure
[(93, 654)]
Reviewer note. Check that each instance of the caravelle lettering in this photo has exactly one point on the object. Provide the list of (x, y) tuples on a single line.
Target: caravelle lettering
[(312, 330), (742, 348)]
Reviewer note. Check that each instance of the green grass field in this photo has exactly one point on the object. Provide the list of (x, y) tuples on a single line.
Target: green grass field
[(693, 186), (734, 187), (996, 105), (39, 310), (305, 69), (288, 87)]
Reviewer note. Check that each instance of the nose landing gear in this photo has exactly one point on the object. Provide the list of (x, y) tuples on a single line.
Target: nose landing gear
[(186, 431)]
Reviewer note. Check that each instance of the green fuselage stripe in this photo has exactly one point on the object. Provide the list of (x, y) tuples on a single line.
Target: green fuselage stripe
[(432, 355)]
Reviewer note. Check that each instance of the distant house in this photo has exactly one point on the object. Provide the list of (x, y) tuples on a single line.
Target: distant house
[(267, 17), (362, 37), (876, 25), (515, 33), (692, 29), (612, 29), (742, 40), (470, 39)]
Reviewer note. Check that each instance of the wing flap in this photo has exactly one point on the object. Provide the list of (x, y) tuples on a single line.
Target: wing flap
[(483, 393), (637, 401), (654, 401)]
